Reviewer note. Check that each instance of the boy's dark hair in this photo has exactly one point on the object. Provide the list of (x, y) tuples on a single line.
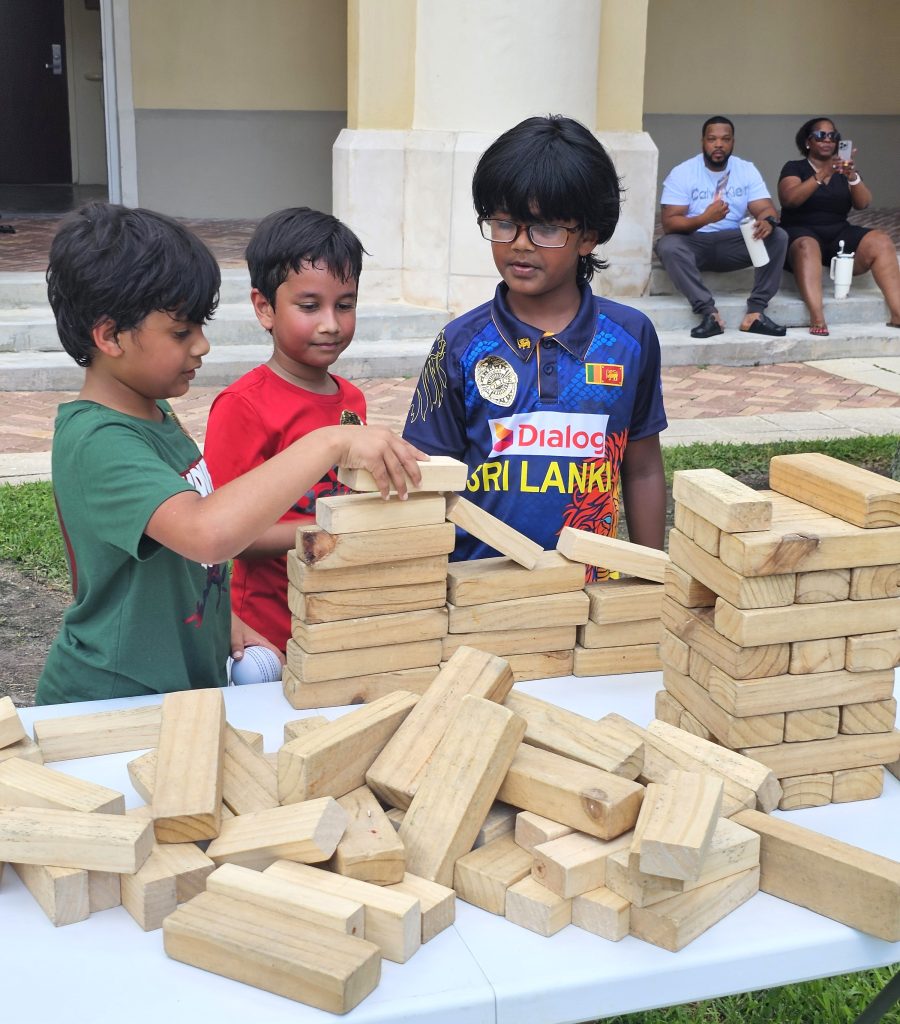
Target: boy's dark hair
[(287, 239), (716, 119), (551, 168), (807, 126), (113, 263)]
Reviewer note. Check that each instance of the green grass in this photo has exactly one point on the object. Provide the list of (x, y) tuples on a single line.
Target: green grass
[(30, 533)]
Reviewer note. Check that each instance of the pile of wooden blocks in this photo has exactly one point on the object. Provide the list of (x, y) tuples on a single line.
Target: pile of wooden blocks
[(781, 619)]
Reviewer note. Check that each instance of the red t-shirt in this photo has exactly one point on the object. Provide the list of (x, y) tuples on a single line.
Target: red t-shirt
[(254, 418)]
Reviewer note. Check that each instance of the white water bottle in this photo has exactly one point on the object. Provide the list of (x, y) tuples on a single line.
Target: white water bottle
[(842, 271), (759, 257)]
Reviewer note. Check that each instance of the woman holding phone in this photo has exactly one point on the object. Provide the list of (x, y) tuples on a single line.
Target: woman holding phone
[(816, 195)]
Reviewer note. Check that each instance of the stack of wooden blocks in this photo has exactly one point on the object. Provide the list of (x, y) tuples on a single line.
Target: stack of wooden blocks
[(781, 621)]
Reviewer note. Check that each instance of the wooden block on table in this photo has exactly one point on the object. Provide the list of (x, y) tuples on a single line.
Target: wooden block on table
[(172, 874), (857, 784), (870, 582), (806, 791), (575, 736), (395, 774), (484, 876), (811, 724), (458, 787), (482, 580), (333, 760), (358, 513), (492, 531), (329, 551), (187, 791), (301, 726), (11, 728), (73, 839), (531, 906), (26, 784), (142, 772), (844, 751), (817, 655), (534, 829), (568, 609), (595, 661), (402, 572), (28, 750), (506, 643), (104, 890), (870, 717), (624, 600), (439, 473), (307, 832), (613, 554), (575, 863), (249, 781), (370, 848), (362, 689), (337, 606), (541, 665), (674, 922), (822, 586), (873, 651), (438, 903), (729, 504), (499, 821), (633, 885), (697, 529), (689, 723), (317, 668), (894, 768), (393, 917), (267, 949), (827, 876), (370, 631), (680, 586), (587, 798), (104, 732), (674, 651), (602, 912), (620, 634), (62, 893)]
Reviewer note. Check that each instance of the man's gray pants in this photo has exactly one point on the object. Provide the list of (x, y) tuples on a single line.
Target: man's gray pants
[(685, 257)]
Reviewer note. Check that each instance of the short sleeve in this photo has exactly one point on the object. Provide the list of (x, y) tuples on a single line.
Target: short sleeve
[(649, 415), (236, 439), (436, 421), (756, 187), (675, 191)]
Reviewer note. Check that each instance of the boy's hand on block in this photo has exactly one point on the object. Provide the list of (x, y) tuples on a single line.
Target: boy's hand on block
[(385, 455)]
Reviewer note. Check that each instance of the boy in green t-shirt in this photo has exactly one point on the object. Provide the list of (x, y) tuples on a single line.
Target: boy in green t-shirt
[(147, 537)]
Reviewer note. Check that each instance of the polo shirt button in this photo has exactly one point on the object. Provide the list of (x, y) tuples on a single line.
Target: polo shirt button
[(549, 342), (549, 369)]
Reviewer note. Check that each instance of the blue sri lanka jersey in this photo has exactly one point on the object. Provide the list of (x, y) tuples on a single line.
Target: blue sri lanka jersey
[(541, 419)]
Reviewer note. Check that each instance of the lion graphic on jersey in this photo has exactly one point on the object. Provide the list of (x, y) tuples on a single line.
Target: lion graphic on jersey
[(432, 384)]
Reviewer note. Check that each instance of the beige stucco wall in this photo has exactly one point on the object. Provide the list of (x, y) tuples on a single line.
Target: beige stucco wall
[(620, 79), (239, 54), (381, 59)]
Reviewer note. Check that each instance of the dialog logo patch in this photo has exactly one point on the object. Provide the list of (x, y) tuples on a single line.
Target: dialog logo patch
[(571, 435)]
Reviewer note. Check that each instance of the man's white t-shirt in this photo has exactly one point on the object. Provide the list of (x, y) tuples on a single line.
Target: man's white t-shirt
[(693, 185)]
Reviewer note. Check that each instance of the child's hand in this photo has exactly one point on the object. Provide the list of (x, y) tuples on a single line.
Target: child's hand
[(243, 636), (384, 454)]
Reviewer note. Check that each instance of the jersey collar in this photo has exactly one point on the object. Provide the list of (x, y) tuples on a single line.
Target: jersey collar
[(523, 339)]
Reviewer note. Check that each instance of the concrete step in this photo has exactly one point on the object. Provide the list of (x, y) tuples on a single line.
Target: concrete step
[(741, 281)]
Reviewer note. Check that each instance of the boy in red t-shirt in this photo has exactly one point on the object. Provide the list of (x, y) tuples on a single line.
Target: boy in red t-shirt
[(304, 273)]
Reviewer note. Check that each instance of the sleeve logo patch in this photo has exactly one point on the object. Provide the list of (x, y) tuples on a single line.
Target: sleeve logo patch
[(496, 381), (610, 374)]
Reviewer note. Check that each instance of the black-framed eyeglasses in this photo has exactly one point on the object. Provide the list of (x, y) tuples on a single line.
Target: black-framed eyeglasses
[(821, 136), (545, 236)]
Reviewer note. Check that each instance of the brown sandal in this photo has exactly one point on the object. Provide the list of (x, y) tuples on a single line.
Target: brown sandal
[(820, 330)]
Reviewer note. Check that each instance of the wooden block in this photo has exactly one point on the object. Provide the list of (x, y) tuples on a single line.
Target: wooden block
[(620, 634), (361, 689), (267, 949), (187, 791), (687, 591), (307, 832), (542, 665), (564, 732), (393, 918), (531, 906), (301, 726), (788, 759), (357, 513), (317, 668), (252, 738), (575, 863), (806, 791), (291, 896), (73, 839), (674, 651), (506, 643), (484, 876), (857, 784), (873, 651), (142, 772), (369, 848), (822, 586), (336, 606), (104, 890), (249, 781), (395, 774), (62, 893), (741, 591), (458, 787), (817, 655), (874, 581), (701, 531), (723, 762), (482, 580), (856, 495), (587, 798), (674, 922), (370, 631), (593, 661), (333, 760), (813, 724), (104, 732), (613, 554), (568, 609), (873, 716), (440, 473), (534, 829), (623, 600), (28, 750), (732, 506), (894, 768), (493, 532), (693, 725), (404, 572), (633, 885), (172, 874), (500, 820), (696, 628), (602, 912), (681, 819), (438, 903), (831, 878), (11, 728), (26, 784), (330, 551)]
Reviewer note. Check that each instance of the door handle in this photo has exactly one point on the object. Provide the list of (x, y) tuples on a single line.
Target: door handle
[(94, 76), (55, 64)]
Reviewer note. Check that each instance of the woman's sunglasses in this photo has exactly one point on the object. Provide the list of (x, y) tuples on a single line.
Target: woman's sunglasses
[(821, 136)]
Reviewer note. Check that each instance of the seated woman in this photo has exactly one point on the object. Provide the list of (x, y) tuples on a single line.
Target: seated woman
[(816, 195)]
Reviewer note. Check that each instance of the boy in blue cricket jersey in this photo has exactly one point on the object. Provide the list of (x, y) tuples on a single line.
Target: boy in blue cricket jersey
[(551, 395)]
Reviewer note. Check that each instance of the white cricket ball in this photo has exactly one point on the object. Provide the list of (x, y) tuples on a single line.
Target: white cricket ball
[(258, 665)]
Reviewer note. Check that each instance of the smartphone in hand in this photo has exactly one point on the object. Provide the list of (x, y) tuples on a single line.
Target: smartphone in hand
[(845, 150)]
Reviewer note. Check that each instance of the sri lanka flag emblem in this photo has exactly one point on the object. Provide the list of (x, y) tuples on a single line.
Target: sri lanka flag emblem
[(610, 374)]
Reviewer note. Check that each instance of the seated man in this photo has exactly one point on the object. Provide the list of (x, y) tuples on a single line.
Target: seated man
[(704, 200)]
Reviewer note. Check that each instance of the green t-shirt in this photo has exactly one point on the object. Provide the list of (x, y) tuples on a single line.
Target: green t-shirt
[(144, 619)]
